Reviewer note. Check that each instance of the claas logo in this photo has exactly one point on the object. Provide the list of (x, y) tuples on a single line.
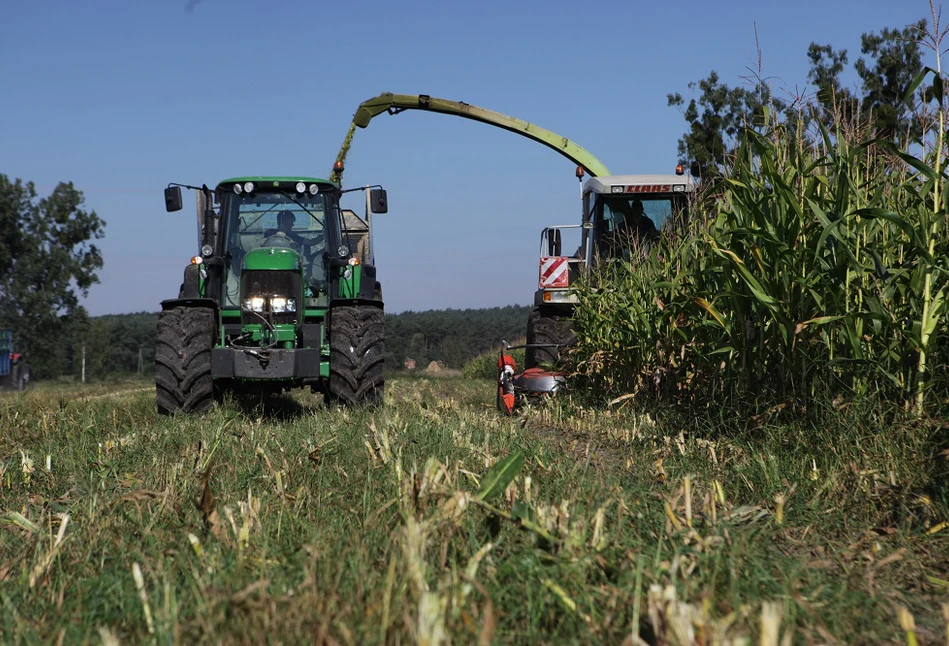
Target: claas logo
[(651, 188)]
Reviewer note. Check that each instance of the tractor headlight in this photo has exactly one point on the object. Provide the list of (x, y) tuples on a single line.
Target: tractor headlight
[(207, 250), (253, 304), (282, 305), (314, 189), (301, 187), (248, 187), (238, 189)]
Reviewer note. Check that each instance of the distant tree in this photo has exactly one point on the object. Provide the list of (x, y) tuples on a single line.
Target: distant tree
[(895, 61), (47, 261), (826, 68), (716, 115), (716, 118)]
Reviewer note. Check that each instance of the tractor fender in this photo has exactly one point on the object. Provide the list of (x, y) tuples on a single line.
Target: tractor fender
[(172, 303), (337, 302), (191, 284)]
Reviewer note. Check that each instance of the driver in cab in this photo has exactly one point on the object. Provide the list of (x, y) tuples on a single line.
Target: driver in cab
[(284, 236)]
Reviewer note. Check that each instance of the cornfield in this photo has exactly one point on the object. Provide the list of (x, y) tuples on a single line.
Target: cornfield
[(816, 270)]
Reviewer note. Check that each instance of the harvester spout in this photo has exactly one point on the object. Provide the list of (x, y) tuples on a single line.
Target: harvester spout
[(396, 103)]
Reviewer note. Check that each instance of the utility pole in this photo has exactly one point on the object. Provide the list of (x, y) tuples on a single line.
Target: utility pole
[(84, 363)]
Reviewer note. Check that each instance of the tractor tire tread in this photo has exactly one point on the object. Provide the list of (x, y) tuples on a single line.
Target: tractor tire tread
[(357, 355), (183, 380), (543, 328)]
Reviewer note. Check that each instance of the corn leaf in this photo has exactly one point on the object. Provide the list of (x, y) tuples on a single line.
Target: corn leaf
[(500, 475)]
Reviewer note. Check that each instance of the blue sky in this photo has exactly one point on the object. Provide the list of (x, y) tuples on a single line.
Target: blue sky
[(123, 97)]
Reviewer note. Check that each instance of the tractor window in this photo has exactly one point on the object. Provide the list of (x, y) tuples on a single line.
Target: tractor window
[(619, 220), (275, 220)]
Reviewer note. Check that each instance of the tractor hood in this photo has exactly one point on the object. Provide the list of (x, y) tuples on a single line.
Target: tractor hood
[(273, 258)]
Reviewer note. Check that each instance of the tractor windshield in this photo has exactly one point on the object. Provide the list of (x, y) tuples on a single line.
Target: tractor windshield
[(278, 219), (625, 221)]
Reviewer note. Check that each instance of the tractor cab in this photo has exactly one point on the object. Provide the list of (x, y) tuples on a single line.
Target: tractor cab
[(261, 224)]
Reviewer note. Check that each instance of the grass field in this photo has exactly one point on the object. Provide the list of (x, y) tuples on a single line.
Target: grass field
[(286, 522)]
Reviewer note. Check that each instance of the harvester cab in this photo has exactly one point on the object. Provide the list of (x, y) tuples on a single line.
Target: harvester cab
[(280, 295), (622, 215)]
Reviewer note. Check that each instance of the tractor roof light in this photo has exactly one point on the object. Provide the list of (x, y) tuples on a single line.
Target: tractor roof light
[(238, 189), (680, 169), (301, 187), (314, 189), (207, 250), (248, 187), (343, 251), (616, 188)]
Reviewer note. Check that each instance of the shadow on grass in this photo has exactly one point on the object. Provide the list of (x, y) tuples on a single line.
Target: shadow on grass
[(269, 406)]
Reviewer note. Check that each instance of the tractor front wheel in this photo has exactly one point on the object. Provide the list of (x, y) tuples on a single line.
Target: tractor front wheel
[(357, 355), (183, 360), (546, 329)]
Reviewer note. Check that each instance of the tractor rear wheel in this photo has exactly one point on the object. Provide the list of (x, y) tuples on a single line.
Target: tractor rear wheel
[(545, 328), (357, 355), (183, 360)]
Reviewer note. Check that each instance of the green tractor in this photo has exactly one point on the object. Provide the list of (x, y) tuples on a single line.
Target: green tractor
[(283, 294)]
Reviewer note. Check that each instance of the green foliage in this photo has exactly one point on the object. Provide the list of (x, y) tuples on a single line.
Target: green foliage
[(716, 118), (894, 58), (47, 261), (485, 365), (117, 345), (499, 476)]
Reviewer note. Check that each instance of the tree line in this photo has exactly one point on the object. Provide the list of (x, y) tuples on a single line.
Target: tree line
[(119, 345), (452, 337)]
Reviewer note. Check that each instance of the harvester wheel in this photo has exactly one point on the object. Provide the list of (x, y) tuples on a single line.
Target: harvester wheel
[(545, 328), (357, 355), (183, 360)]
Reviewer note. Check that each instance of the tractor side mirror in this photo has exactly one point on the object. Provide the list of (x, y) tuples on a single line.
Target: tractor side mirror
[(378, 202), (173, 198), (554, 243)]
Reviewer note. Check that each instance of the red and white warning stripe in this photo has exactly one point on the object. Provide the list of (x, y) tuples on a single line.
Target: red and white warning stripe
[(553, 272)]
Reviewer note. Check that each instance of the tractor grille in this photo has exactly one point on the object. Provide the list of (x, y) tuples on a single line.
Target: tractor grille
[(268, 284)]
